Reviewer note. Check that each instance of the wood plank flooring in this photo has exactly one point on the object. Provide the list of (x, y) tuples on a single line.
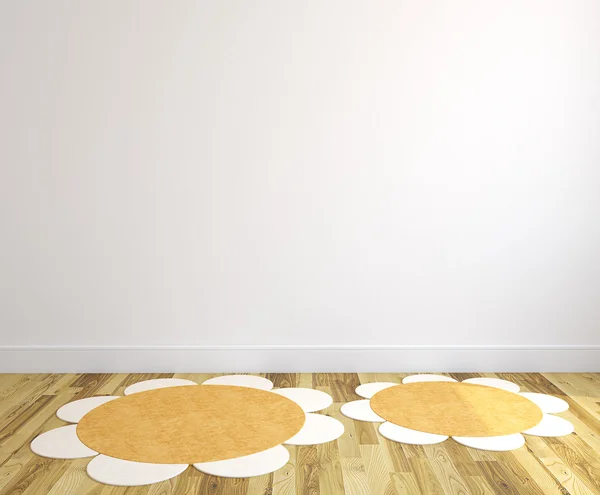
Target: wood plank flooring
[(361, 462)]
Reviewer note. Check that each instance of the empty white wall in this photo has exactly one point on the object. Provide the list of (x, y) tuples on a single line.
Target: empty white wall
[(300, 172)]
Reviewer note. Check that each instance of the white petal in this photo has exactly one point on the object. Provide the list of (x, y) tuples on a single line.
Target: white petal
[(250, 381), (427, 378), (308, 399), (61, 443), (74, 411), (495, 382), (547, 403), (361, 410), (368, 390), (405, 435), (158, 383), (318, 428), (250, 465), (551, 426), (119, 472), (498, 444)]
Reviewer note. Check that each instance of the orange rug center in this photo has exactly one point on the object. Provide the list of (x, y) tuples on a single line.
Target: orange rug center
[(186, 425), (456, 409)]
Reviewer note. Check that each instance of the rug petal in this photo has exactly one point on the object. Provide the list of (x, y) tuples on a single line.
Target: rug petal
[(551, 426), (361, 410), (157, 383), (317, 429), (368, 390), (427, 378), (119, 472), (250, 465), (308, 399), (494, 382), (547, 403), (74, 411), (250, 381), (61, 443), (498, 444), (400, 434)]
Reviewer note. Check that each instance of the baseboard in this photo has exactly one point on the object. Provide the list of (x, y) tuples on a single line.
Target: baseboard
[(298, 358)]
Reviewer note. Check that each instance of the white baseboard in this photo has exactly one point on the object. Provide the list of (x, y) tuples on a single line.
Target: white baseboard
[(298, 358)]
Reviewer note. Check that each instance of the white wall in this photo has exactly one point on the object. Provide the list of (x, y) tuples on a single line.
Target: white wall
[(300, 172)]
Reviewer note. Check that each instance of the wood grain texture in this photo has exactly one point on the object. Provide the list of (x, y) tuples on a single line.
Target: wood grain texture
[(361, 462)]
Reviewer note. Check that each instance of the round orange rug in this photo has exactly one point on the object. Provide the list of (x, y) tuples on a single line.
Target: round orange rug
[(456, 409), (187, 425)]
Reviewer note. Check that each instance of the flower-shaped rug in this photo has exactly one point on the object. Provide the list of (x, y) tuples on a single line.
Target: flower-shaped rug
[(482, 413), (231, 426)]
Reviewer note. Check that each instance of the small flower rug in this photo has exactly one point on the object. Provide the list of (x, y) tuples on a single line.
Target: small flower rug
[(482, 413)]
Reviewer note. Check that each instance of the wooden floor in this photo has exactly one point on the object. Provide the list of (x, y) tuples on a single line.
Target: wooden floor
[(360, 462)]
